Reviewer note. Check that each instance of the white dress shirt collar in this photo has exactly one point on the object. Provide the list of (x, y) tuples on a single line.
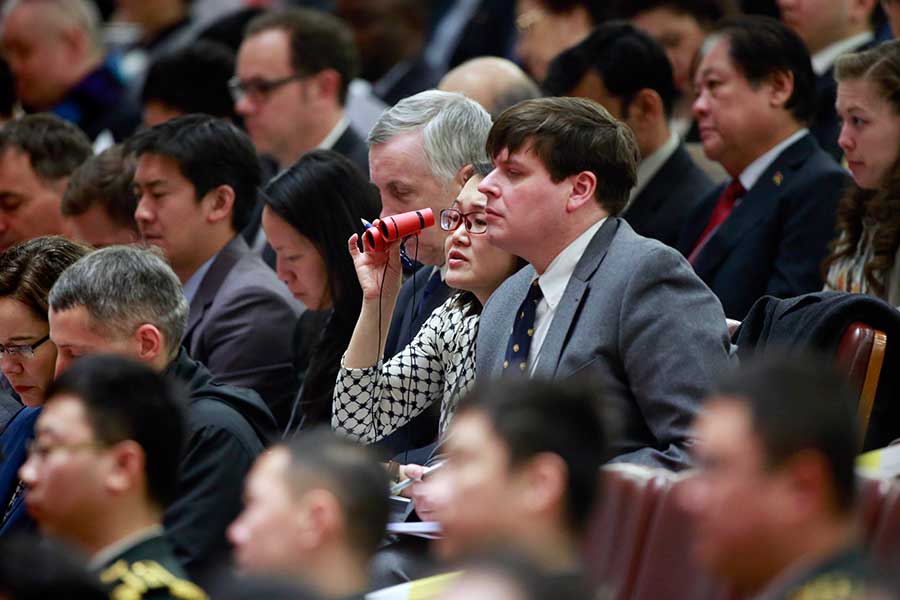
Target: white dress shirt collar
[(192, 285), (554, 280), (336, 132), (754, 170), (824, 58)]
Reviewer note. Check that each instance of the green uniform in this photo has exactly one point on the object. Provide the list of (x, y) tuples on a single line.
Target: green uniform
[(148, 570), (841, 576)]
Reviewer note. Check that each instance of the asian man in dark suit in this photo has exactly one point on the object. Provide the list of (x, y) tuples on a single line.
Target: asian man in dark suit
[(197, 179), (627, 72), (597, 299), (767, 232)]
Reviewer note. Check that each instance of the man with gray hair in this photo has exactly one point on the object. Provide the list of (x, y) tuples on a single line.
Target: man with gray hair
[(126, 300), (420, 155), (55, 51)]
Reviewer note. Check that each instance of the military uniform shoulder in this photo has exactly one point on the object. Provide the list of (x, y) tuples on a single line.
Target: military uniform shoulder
[(147, 579), (830, 586)]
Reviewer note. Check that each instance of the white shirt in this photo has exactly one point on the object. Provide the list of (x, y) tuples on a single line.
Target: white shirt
[(651, 165), (825, 58), (126, 543), (750, 175), (336, 132), (553, 284)]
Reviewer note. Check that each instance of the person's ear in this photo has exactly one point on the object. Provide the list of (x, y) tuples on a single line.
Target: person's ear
[(646, 107), (808, 486), (327, 84), (584, 185), (321, 519), (544, 481), (463, 175), (219, 203), (149, 341), (127, 467), (781, 87)]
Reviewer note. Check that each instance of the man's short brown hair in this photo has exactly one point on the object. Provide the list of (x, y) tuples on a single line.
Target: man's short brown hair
[(571, 135), (104, 180)]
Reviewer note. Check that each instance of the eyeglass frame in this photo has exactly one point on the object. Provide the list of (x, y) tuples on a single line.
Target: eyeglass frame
[(263, 88), (41, 452), (22, 350), (463, 219)]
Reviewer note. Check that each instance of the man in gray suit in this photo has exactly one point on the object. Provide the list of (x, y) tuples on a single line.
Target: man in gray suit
[(197, 179), (597, 298)]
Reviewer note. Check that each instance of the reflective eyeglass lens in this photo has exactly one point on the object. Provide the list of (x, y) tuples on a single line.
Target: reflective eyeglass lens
[(449, 220)]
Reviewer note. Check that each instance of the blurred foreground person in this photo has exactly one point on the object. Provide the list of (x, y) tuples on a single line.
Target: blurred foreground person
[(315, 512), (35, 569), (99, 474), (773, 498)]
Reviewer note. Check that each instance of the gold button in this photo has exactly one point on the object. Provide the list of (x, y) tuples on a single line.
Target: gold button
[(522, 315), (515, 347), (522, 366), (530, 332), (505, 364)]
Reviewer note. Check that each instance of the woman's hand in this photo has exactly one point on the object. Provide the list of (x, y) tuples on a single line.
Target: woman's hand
[(371, 271)]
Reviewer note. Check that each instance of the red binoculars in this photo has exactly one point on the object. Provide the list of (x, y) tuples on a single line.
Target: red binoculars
[(382, 231)]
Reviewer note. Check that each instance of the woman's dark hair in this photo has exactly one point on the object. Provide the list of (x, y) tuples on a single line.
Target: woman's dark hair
[(29, 269), (881, 67), (465, 300), (323, 196)]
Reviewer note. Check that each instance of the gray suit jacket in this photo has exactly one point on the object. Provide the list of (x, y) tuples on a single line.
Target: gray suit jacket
[(635, 317), (240, 326)]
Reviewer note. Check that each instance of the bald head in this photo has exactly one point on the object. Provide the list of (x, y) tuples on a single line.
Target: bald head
[(50, 46), (495, 83)]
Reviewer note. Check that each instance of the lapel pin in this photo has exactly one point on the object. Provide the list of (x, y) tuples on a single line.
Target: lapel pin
[(778, 178)]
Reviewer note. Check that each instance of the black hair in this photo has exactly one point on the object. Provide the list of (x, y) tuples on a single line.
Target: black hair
[(125, 400), (7, 90), (210, 152), (323, 196), (800, 403), (318, 41), (193, 79), (759, 47), (353, 473), (705, 12), (560, 417), (626, 59), (55, 147), (597, 9)]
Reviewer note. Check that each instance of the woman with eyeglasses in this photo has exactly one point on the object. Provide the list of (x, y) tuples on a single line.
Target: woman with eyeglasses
[(374, 398), (27, 355)]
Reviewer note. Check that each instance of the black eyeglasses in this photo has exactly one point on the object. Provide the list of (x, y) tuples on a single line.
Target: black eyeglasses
[(451, 218), (258, 89), (21, 351)]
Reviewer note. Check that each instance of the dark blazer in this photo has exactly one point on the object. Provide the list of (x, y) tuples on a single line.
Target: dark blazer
[(351, 145), (229, 428), (661, 208), (410, 313), (240, 326), (635, 316), (776, 237), (13, 443)]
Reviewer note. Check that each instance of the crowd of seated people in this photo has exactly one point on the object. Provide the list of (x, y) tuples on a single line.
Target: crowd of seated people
[(217, 365)]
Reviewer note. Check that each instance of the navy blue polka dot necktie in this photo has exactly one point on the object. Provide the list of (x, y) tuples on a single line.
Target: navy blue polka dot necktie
[(516, 361)]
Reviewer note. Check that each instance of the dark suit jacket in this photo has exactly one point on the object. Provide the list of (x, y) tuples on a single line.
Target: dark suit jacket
[(240, 326), (229, 428), (775, 239), (351, 145), (635, 316), (13, 444), (422, 430), (661, 208)]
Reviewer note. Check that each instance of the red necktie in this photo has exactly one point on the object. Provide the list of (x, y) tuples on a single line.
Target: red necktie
[(723, 208)]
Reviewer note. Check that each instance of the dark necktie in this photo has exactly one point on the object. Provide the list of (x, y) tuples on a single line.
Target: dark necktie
[(723, 208), (516, 361)]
